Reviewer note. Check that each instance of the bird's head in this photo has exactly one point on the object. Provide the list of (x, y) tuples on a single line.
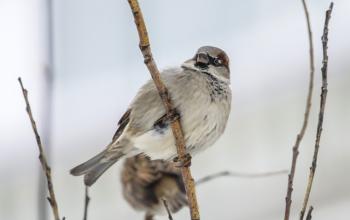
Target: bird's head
[(210, 60)]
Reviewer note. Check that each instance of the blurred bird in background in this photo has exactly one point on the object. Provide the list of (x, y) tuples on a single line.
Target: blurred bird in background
[(146, 183), (201, 94)]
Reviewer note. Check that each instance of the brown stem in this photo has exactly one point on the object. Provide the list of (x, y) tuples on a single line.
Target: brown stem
[(42, 158), (86, 202), (306, 117), (167, 209), (239, 175), (165, 96), (324, 91)]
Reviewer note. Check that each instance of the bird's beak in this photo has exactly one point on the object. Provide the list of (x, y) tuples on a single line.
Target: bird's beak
[(202, 60)]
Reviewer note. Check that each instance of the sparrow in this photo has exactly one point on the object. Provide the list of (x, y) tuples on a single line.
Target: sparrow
[(146, 183), (201, 95)]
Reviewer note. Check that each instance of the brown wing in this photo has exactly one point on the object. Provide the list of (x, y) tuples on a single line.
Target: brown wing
[(170, 186), (138, 177), (141, 171), (123, 121), (146, 172), (146, 182)]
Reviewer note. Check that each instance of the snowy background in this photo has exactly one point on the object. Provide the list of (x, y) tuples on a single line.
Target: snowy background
[(98, 69)]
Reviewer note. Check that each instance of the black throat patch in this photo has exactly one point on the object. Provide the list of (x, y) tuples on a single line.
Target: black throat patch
[(217, 88)]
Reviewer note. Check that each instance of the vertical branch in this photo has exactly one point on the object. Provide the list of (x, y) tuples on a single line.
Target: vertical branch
[(163, 92), (42, 158), (309, 213), (46, 107), (324, 91), (86, 202), (306, 117)]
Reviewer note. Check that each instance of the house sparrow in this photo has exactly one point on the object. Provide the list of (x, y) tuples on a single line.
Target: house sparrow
[(146, 183), (202, 100)]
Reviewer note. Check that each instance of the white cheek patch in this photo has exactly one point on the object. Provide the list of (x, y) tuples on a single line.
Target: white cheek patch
[(215, 73), (211, 70)]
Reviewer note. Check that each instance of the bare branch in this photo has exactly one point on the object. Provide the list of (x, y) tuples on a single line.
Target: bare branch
[(86, 202), (306, 117), (309, 213), (163, 92), (239, 175), (324, 91), (42, 158), (167, 209)]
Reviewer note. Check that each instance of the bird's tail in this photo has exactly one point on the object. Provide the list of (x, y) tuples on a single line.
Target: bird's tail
[(96, 166)]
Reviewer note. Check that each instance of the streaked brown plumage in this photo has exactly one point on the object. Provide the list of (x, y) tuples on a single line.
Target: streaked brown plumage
[(146, 182)]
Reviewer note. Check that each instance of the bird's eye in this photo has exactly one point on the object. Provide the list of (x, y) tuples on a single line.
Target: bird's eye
[(218, 62)]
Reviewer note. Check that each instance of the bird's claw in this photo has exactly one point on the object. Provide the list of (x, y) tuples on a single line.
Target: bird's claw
[(185, 162), (173, 115)]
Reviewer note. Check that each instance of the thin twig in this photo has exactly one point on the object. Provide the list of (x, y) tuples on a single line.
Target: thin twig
[(324, 91), (239, 175), (42, 158), (167, 209), (86, 202), (309, 213), (164, 94), (306, 117)]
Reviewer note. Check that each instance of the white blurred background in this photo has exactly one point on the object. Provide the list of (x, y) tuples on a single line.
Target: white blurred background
[(98, 68)]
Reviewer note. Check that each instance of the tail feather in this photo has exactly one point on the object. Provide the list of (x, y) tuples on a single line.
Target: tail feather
[(88, 165), (95, 167), (95, 173)]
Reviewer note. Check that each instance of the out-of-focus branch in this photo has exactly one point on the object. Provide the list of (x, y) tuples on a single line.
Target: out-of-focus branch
[(324, 91), (239, 175), (306, 117), (163, 92), (46, 106), (167, 209), (42, 158), (309, 213), (86, 202)]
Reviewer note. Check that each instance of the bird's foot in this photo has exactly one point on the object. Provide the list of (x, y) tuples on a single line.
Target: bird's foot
[(185, 162), (173, 115)]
